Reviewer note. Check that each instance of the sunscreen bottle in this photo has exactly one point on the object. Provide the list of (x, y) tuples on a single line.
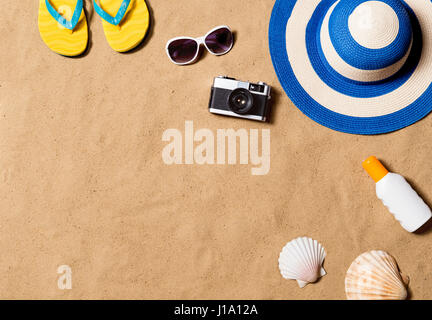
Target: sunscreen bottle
[(398, 196)]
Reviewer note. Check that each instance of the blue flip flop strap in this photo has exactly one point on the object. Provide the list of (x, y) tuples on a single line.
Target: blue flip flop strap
[(110, 19), (66, 23)]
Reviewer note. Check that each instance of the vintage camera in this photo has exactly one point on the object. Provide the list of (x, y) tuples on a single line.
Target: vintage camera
[(231, 97)]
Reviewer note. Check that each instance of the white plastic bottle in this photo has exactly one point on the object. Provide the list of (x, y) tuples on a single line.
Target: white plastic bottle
[(398, 196)]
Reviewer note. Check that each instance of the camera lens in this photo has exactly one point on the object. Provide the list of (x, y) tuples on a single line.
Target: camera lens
[(240, 101)]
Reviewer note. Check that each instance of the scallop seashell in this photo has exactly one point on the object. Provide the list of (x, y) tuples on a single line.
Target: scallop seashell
[(375, 275), (301, 259)]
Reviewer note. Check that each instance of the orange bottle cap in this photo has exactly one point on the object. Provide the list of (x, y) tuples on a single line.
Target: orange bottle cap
[(375, 168)]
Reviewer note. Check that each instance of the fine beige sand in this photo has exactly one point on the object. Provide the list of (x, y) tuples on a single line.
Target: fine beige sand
[(82, 181)]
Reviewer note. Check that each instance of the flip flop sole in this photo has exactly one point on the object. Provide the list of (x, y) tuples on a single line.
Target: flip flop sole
[(58, 38), (132, 29)]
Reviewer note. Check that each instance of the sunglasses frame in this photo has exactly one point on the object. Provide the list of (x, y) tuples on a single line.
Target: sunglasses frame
[(199, 41)]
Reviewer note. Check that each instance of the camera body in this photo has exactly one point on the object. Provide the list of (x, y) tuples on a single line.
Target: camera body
[(231, 97)]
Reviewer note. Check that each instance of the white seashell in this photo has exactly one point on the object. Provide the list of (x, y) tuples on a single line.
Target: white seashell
[(301, 259), (375, 275)]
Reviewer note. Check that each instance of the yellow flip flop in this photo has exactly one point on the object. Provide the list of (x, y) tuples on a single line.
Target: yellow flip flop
[(125, 22), (63, 26)]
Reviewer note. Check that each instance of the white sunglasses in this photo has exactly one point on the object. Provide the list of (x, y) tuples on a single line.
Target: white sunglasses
[(185, 50)]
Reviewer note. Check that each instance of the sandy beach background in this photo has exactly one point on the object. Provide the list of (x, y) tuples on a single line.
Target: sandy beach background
[(82, 181)]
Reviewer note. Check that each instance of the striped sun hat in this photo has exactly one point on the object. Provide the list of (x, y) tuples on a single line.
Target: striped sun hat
[(356, 66)]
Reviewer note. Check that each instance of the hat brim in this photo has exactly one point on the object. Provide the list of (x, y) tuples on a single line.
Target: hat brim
[(337, 103)]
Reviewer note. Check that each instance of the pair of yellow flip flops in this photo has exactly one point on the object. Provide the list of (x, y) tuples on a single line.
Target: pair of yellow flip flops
[(63, 24)]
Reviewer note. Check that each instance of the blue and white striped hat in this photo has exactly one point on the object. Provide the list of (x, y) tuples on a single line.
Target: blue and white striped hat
[(356, 66)]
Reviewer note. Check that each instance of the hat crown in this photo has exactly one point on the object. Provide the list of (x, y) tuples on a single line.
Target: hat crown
[(373, 25), (371, 35)]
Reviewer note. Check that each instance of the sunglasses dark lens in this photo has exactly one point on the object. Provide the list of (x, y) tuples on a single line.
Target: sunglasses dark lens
[(219, 41), (183, 50)]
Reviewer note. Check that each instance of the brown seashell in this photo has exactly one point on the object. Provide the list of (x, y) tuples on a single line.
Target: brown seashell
[(375, 275)]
